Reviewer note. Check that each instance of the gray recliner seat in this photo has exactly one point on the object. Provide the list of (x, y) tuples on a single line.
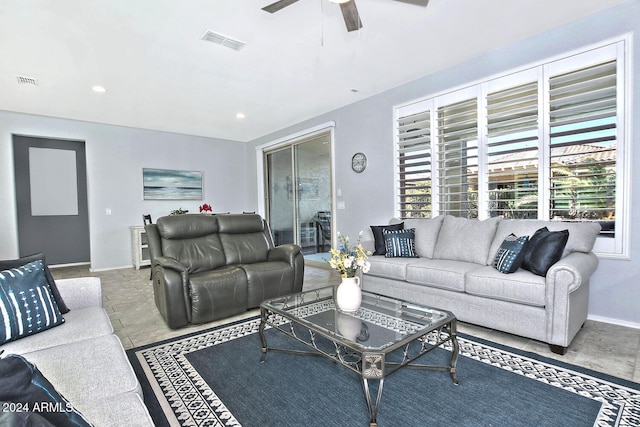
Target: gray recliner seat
[(208, 267)]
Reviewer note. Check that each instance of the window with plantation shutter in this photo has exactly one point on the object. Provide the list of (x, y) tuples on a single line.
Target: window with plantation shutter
[(458, 158), (544, 142), (414, 164), (512, 151), (583, 142)]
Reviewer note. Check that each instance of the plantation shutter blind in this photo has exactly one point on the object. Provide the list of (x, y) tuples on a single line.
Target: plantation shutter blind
[(583, 142), (458, 158), (512, 151), (414, 164)]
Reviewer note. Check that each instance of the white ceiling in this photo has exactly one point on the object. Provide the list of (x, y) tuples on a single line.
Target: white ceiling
[(297, 63)]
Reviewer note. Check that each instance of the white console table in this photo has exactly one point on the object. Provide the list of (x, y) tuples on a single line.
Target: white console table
[(139, 246)]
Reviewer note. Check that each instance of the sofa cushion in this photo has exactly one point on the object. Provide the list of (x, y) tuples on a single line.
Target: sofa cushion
[(267, 280), (109, 410), (15, 263), (217, 293), (240, 224), (400, 243), (427, 230), (245, 248), (390, 268), (186, 226), (544, 249), (380, 247), (511, 254), (26, 302), (67, 366), (582, 235), (80, 324), (197, 253), (22, 382), (469, 240), (243, 238), (521, 287), (445, 274)]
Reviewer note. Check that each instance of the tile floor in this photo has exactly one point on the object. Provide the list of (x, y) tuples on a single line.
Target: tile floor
[(128, 298)]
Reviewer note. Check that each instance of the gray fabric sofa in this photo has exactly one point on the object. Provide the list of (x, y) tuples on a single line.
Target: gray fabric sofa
[(207, 267), (85, 361), (455, 272)]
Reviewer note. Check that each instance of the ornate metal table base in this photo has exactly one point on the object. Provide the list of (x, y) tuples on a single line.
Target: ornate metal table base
[(370, 365)]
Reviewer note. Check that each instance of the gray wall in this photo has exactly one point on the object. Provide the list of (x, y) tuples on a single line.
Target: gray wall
[(115, 158), (368, 126)]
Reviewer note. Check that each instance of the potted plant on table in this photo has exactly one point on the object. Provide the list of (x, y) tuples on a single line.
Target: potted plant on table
[(348, 260)]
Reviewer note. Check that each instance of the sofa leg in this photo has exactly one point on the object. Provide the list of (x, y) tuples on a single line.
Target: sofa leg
[(558, 349)]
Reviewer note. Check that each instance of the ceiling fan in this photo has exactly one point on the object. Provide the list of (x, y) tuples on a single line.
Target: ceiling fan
[(348, 8)]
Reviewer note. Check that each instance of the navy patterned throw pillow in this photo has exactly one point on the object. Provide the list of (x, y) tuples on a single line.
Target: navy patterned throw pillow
[(511, 253), (26, 303), (400, 243)]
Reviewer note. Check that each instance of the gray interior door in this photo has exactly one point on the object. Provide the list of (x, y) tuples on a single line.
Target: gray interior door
[(51, 198)]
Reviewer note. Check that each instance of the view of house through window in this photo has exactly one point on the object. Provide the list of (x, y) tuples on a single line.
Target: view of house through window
[(541, 143)]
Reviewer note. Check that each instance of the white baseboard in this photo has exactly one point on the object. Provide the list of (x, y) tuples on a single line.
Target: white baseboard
[(75, 264), (95, 270), (614, 321)]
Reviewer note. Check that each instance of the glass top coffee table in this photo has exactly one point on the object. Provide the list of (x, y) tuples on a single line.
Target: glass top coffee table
[(383, 336)]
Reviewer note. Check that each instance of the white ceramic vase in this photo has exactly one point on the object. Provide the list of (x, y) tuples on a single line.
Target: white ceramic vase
[(349, 294)]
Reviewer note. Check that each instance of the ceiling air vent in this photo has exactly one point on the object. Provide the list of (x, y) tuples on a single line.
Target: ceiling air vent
[(222, 40), (22, 80)]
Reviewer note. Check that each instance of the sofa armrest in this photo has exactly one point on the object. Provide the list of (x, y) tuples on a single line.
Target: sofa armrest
[(175, 265), (368, 245), (170, 281), (286, 253), (567, 296), (292, 255), (80, 292), (170, 263), (570, 272)]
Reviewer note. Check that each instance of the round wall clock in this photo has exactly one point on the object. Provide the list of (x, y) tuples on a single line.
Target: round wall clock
[(359, 162)]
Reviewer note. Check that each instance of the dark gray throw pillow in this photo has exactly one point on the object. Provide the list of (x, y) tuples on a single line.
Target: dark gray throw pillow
[(380, 247), (15, 263), (544, 249), (21, 418)]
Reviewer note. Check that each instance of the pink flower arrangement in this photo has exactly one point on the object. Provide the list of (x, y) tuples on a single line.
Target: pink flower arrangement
[(205, 208)]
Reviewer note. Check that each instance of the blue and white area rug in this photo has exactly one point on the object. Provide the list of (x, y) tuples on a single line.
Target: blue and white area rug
[(215, 378)]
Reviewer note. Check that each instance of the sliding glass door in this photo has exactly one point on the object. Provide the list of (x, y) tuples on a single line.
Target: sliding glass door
[(298, 180)]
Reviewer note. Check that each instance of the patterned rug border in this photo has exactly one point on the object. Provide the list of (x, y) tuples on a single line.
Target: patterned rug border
[(186, 400)]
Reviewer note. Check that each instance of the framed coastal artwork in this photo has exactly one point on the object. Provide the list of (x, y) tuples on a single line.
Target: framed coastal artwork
[(167, 184)]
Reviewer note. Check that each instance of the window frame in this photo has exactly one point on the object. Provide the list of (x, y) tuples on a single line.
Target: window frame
[(618, 49)]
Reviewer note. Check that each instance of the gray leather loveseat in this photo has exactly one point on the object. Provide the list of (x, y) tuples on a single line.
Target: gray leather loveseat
[(207, 267)]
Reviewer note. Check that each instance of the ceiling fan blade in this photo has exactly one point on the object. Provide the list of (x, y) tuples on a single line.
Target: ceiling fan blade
[(351, 15), (274, 7), (416, 2)]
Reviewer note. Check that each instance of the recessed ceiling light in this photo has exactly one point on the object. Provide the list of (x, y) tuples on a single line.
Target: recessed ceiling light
[(99, 89), (240, 116)]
